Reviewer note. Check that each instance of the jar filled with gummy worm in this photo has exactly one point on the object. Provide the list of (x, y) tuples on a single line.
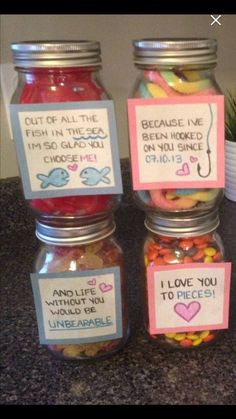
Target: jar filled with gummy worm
[(186, 281), (62, 130), (176, 124), (79, 290)]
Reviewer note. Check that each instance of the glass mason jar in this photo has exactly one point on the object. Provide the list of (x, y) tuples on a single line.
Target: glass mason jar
[(90, 256), (181, 241), (62, 71), (177, 68)]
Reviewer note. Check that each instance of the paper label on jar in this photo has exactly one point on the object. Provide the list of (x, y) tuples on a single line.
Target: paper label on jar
[(186, 297), (67, 148), (78, 307), (177, 142)]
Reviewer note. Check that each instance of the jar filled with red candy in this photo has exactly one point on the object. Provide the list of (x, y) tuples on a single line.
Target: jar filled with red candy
[(185, 295), (80, 291), (53, 72)]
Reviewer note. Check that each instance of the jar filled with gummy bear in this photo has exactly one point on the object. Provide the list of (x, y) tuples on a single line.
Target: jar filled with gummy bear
[(185, 281), (65, 143), (176, 94), (79, 290)]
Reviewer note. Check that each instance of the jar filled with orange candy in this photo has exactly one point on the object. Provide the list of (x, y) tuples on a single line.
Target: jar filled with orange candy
[(80, 291), (185, 281), (53, 74)]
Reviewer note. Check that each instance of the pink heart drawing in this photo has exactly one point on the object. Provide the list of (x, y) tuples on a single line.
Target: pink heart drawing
[(187, 312), (184, 171), (105, 287), (73, 167), (193, 159), (92, 281)]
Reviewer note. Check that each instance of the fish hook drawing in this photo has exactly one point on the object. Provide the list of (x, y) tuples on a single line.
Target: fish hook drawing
[(208, 150)]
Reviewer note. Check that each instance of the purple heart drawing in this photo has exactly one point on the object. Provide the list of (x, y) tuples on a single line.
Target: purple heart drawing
[(184, 171), (189, 311), (73, 167), (193, 159), (92, 281), (105, 287)]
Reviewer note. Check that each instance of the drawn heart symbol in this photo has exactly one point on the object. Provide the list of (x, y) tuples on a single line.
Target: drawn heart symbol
[(193, 159), (105, 287), (184, 171), (72, 167), (187, 312), (92, 281)]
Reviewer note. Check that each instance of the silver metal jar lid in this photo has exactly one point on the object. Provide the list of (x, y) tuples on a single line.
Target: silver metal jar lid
[(71, 220), (175, 51), (56, 53), (177, 226), (83, 234)]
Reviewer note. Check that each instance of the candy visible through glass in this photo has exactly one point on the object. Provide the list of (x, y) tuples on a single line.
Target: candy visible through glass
[(170, 83), (49, 85), (97, 255), (162, 250)]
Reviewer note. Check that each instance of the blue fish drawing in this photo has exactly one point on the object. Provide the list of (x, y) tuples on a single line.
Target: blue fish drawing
[(57, 177), (93, 176)]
